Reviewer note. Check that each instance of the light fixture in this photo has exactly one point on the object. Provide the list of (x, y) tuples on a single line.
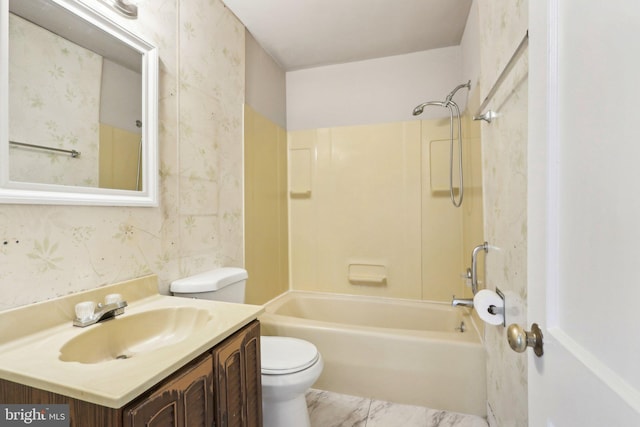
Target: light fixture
[(126, 8)]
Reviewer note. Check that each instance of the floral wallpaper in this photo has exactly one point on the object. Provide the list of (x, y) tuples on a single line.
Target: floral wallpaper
[(503, 25), (48, 251), (61, 110), (210, 133), (504, 154)]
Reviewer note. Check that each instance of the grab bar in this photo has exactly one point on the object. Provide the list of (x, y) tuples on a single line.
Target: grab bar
[(474, 265)]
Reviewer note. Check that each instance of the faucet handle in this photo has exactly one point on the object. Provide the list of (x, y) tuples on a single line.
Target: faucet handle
[(112, 298), (85, 310)]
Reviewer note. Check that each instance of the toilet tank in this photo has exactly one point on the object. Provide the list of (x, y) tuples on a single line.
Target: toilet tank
[(222, 284)]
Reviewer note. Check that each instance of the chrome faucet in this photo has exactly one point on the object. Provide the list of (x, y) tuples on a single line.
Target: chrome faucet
[(462, 302), (101, 312)]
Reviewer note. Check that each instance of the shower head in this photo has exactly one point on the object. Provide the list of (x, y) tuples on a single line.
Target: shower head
[(446, 103), (420, 108)]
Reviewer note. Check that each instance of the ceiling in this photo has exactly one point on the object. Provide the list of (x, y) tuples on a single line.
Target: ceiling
[(309, 33)]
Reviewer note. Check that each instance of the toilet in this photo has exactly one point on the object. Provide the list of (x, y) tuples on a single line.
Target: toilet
[(289, 365)]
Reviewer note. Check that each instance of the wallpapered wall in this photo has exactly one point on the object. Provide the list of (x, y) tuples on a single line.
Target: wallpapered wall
[(60, 110), (48, 251), (504, 164)]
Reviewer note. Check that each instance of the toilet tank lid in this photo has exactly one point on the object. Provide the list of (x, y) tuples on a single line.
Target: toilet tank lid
[(212, 280)]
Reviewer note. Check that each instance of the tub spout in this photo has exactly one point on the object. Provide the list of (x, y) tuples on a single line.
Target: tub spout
[(462, 302)]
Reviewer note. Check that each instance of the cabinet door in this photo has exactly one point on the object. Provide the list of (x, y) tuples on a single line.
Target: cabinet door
[(197, 397), (161, 409), (184, 400), (253, 376), (238, 380)]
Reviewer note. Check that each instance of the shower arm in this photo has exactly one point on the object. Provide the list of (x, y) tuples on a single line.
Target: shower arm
[(449, 97)]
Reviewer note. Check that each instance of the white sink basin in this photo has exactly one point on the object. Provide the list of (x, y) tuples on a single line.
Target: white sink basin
[(126, 336)]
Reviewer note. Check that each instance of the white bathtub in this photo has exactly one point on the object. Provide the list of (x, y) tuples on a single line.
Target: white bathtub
[(402, 351)]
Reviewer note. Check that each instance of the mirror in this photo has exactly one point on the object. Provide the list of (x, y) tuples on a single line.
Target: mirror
[(80, 123)]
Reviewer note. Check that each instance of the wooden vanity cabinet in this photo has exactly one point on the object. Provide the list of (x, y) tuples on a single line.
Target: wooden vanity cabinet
[(236, 364), (221, 388), (184, 400)]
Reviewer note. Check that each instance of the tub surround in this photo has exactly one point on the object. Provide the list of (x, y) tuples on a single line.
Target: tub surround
[(43, 328), (370, 203)]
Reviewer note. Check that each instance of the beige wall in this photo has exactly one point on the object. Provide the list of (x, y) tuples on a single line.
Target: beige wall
[(119, 165), (265, 163), (472, 207), (55, 250), (266, 212)]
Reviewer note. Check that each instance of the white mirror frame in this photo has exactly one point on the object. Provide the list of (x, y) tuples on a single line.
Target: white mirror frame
[(32, 193)]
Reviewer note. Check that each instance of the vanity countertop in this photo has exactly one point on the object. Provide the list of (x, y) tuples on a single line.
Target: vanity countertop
[(31, 338)]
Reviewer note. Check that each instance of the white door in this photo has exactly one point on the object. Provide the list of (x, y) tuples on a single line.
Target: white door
[(584, 212)]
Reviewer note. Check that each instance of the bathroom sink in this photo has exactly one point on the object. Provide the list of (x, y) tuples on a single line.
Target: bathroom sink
[(126, 336)]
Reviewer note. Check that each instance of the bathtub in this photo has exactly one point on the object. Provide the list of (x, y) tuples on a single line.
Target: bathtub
[(402, 351)]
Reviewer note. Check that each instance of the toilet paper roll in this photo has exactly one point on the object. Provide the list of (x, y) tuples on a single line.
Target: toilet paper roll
[(490, 307)]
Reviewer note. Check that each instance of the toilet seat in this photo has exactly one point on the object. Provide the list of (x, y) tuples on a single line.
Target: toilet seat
[(286, 355)]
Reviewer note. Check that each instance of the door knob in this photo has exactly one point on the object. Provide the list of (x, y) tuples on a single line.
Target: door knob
[(519, 339)]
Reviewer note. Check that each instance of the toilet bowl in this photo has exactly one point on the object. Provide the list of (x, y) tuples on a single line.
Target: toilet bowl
[(289, 367)]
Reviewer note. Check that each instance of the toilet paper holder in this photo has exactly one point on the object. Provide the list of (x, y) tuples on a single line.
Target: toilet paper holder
[(490, 306), (495, 310), (499, 310)]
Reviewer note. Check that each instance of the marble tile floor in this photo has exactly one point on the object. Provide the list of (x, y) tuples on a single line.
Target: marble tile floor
[(328, 409)]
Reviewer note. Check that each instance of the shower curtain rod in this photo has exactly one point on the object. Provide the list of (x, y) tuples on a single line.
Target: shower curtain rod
[(73, 153)]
